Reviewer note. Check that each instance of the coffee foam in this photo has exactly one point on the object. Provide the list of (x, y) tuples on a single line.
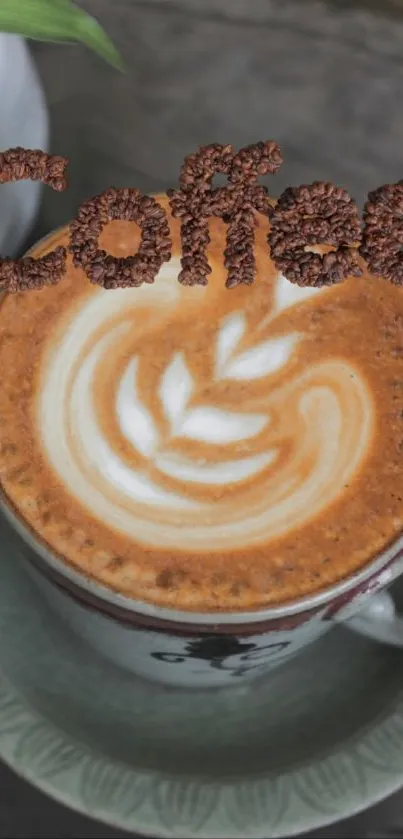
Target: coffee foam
[(189, 441)]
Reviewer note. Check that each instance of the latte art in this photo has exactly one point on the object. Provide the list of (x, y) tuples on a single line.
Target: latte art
[(226, 457), (200, 448)]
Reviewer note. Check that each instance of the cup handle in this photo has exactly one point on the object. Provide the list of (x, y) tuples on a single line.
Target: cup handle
[(379, 620)]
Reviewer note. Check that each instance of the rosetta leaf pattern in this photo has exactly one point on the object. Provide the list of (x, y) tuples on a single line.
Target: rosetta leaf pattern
[(232, 362), (208, 423)]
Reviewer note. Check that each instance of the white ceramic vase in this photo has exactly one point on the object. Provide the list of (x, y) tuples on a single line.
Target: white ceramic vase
[(23, 122)]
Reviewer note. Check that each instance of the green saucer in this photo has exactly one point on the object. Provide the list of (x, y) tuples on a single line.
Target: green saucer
[(317, 741)]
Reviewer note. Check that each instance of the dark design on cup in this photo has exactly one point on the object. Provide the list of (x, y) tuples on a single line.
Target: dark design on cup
[(220, 651)]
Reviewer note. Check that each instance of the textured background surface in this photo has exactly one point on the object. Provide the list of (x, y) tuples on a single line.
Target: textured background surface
[(324, 79)]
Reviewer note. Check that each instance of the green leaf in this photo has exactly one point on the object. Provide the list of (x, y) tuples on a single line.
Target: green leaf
[(57, 20)]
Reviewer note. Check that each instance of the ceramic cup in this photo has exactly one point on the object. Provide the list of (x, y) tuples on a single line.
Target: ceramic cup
[(208, 650)]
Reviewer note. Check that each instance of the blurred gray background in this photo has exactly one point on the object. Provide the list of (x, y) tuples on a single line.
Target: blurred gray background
[(324, 79)]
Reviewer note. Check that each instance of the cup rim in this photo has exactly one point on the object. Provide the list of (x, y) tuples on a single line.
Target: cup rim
[(97, 590)]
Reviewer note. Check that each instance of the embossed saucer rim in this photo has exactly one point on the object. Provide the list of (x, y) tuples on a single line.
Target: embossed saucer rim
[(307, 819), (261, 805)]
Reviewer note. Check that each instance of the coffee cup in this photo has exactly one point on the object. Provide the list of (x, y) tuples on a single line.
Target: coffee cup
[(206, 480), (207, 650)]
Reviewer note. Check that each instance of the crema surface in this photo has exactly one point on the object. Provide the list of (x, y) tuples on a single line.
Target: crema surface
[(205, 448)]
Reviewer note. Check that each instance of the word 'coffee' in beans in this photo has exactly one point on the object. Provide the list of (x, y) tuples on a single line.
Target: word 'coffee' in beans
[(315, 236), (31, 164)]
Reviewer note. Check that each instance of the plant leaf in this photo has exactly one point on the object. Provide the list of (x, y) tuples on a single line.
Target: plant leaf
[(57, 20)]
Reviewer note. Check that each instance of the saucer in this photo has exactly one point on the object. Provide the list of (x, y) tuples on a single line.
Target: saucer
[(318, 740)]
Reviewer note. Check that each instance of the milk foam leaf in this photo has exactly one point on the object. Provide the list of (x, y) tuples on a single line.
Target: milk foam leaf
[(256, 361), (213, 473), (288, 294), (57, 20), (231, 332), (213, 425), (262, 359), (136, 421), (175, 389)]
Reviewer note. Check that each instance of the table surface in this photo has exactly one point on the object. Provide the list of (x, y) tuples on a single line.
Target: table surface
[(323, 79)]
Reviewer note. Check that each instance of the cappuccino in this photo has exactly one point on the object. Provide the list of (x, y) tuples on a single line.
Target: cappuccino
[(203, 448)]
